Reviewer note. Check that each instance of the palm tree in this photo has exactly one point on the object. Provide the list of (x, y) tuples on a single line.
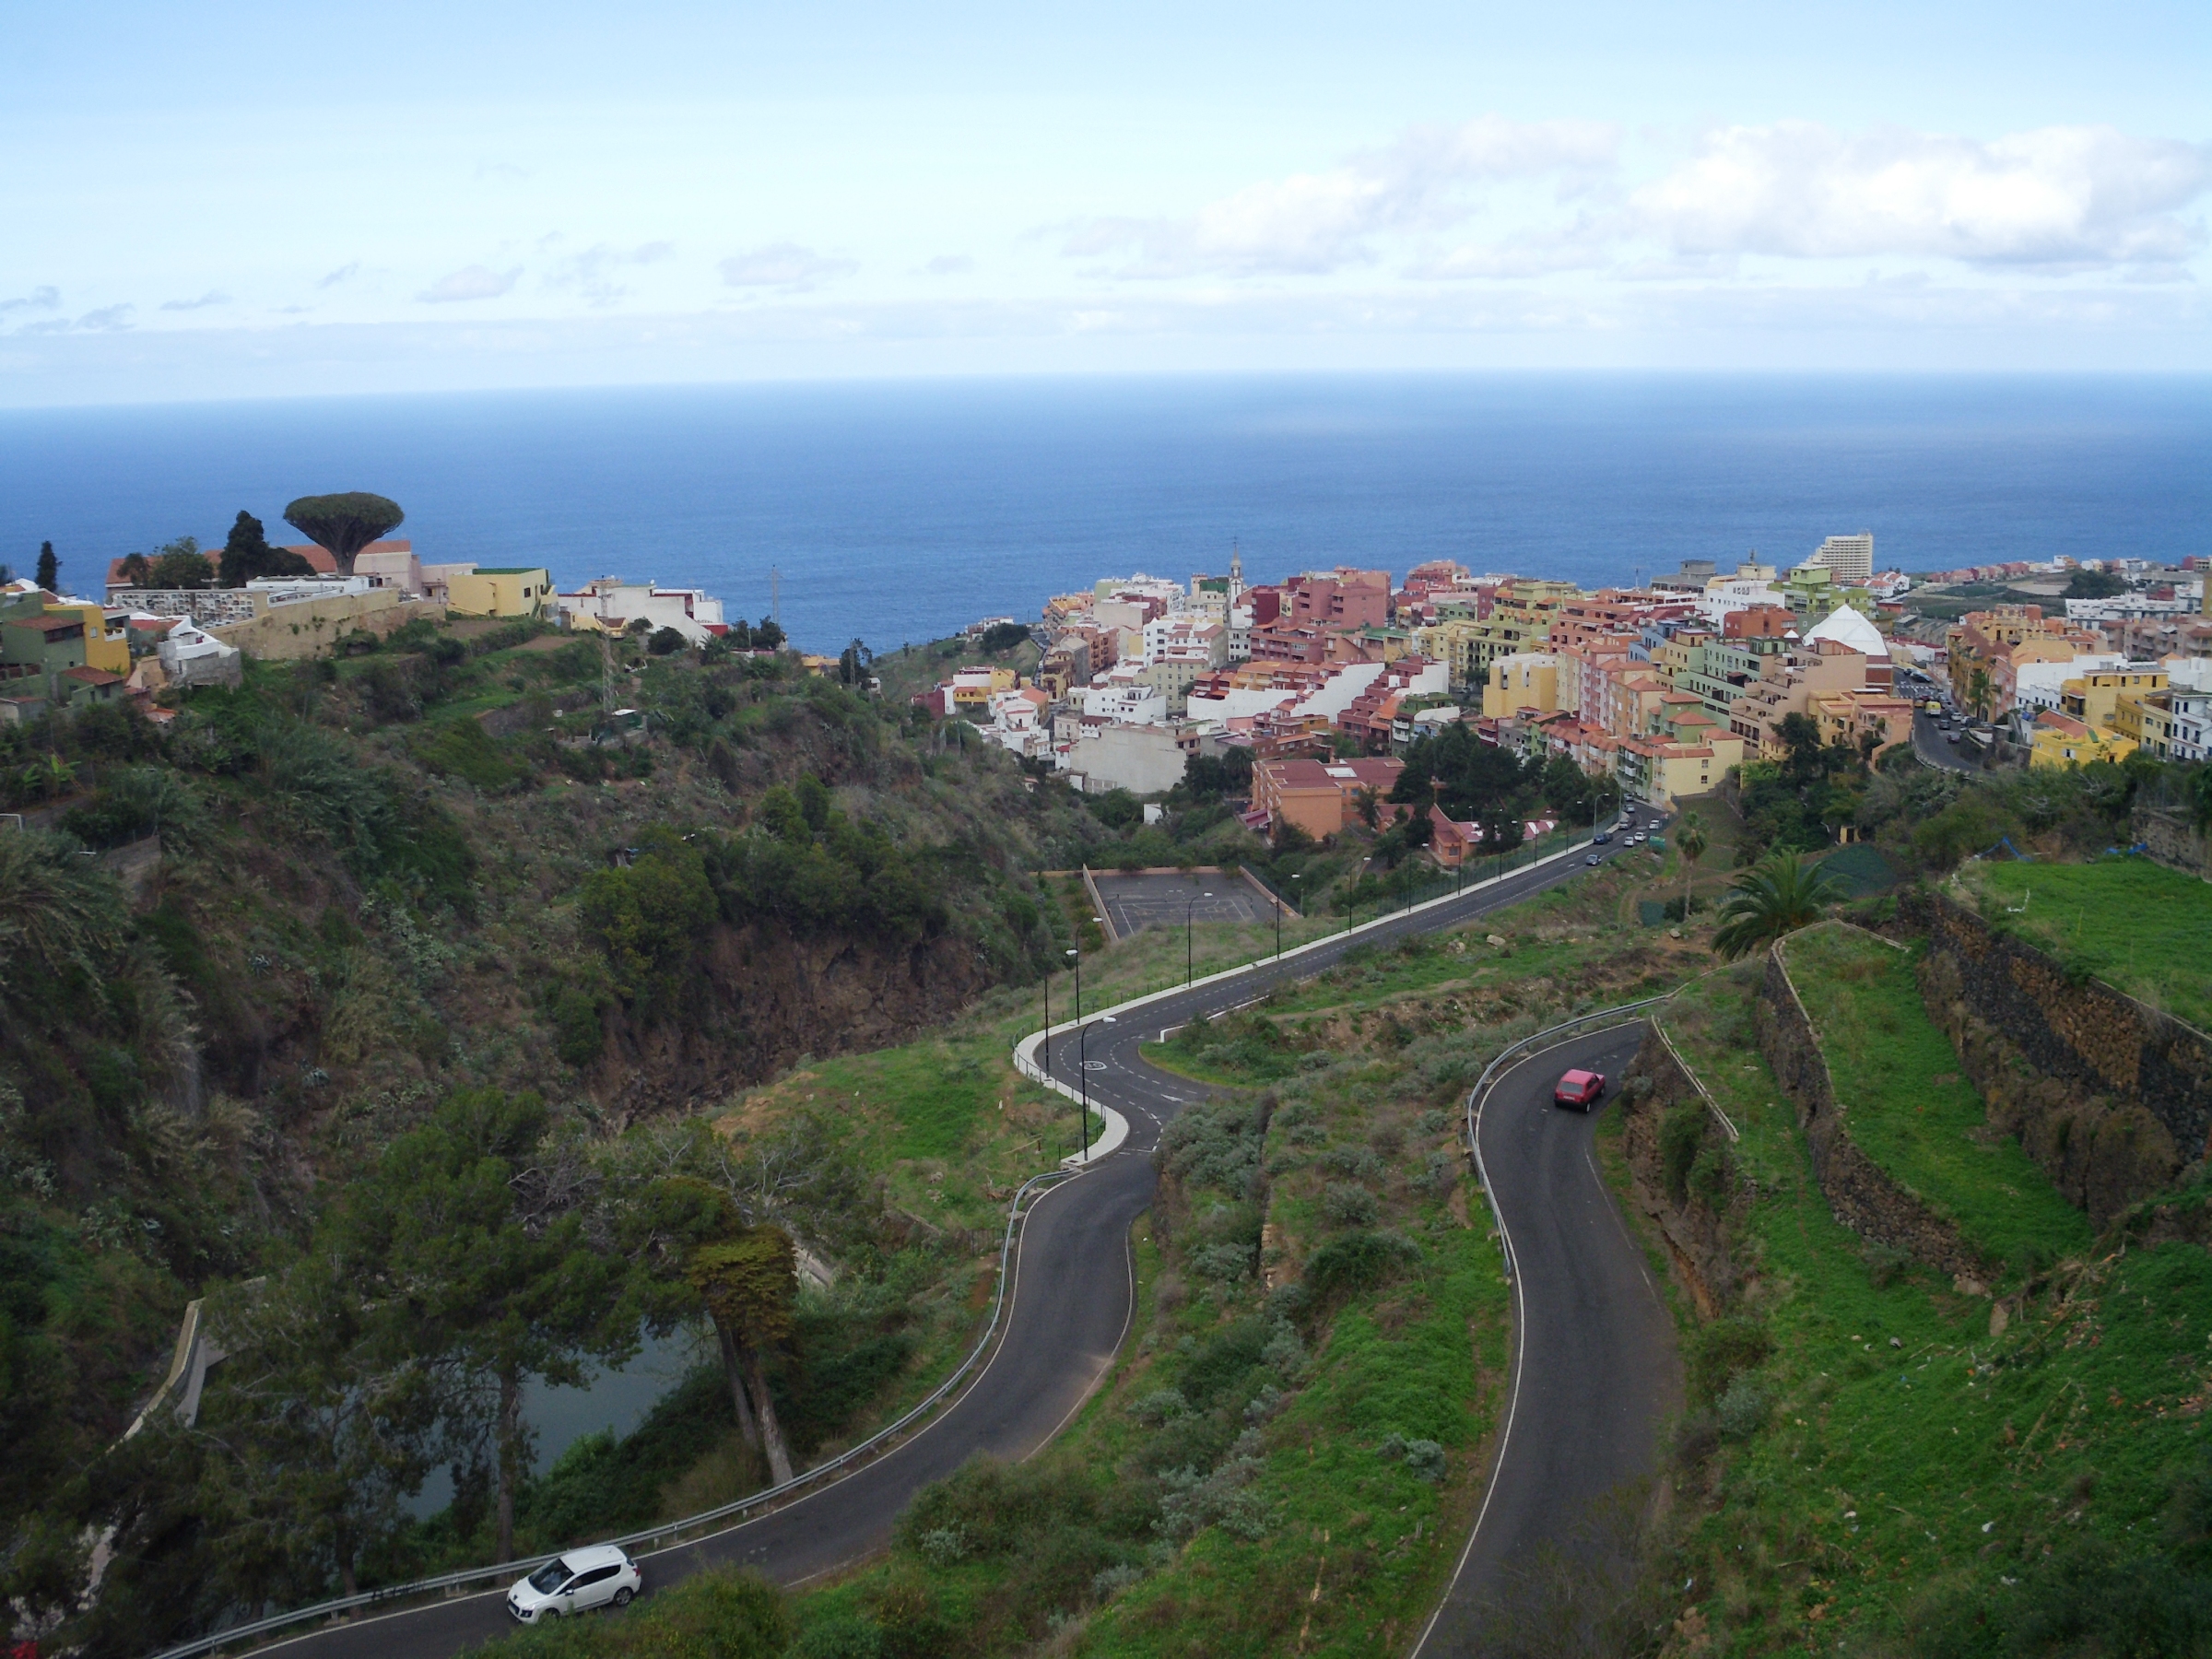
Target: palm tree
[(1980, 693), (1368, 803), (1779, 894), (1689, 840)]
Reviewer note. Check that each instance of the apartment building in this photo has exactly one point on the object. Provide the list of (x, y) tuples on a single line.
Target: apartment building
[(1318, 795), (1850, 557)]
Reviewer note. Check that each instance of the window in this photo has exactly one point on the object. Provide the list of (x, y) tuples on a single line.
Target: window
[(598, 1575)]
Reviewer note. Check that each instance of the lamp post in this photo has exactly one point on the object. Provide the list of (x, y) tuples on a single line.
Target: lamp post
[(1190, 959), (1278, 918), (1083, 1069)]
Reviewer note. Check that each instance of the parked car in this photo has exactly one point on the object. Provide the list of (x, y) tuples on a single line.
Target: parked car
[(601, 1576), (1951, 737), (1580, 1090)]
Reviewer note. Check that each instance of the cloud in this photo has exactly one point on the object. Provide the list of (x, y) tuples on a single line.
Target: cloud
[(39, 298), (351, 268), (591, 272), (949, 265), (786, 265), (2061, 197), (1313, 223), (108, 319), (202, 303), (470, 282)]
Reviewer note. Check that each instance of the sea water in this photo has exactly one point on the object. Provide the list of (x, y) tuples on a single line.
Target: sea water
[(892, 511)]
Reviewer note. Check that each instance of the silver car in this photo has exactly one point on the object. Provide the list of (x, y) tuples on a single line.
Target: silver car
[(601, 1576)]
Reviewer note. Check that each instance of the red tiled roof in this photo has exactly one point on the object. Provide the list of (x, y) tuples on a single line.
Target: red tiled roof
[(92, 677)]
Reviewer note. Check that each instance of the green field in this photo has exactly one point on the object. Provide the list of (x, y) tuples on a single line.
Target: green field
[(2135, 924), (1908, 1108), (1897, 1479)]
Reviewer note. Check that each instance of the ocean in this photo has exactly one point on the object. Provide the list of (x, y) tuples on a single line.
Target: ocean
[(901, 511)]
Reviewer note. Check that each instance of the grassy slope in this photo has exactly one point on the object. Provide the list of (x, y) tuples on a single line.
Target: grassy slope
[(1906, 1106), (1907, 1449), (2133, 924)]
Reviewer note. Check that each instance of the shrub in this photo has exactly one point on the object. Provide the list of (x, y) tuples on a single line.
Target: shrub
[(1741, 1412), (1721, 1352), (1359, 1260), (1681, 1135), (1343, 1204)]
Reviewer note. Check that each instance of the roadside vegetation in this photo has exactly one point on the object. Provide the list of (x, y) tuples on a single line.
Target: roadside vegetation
[(1908, 1108), (1873, 1461), (2135, 924)]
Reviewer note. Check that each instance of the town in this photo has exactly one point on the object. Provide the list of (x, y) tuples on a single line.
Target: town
[(1316, 682)]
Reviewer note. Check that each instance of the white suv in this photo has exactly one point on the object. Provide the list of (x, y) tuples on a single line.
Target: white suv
[(602, 1576)]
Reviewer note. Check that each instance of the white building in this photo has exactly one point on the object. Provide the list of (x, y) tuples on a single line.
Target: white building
[(1144, 759), (294, 590), (191, 656), (2189, 695), (1017, 723), (1850, 556), (2035, 686), (1752, 586), (609, 605)]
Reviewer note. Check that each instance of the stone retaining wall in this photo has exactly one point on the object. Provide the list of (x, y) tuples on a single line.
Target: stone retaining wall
[(2112, 1098), (1862, 1195)]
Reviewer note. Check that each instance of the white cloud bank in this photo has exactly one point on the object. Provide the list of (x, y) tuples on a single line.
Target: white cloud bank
[(2053, 199), (2072, 196), (1313, 223)]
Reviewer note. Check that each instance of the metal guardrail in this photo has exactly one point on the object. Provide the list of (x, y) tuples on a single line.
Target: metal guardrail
[(669, 1532), (1513, 1054)]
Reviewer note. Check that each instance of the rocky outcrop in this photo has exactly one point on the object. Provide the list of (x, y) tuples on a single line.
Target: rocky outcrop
[(777, 997), (2172, 839), (1862, 1196), (2112, 1098), (1694, 1231)]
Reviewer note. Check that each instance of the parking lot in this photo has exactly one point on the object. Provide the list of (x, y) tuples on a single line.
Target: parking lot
[(1134, 902)]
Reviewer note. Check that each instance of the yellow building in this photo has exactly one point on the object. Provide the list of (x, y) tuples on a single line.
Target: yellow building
[(1526, 679), (2059, 741), (2094, 699), (107, 634), (2145, 719), (499, 590)]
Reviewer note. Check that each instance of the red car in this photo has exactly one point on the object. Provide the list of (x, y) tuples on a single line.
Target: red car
[(1579, 1089)]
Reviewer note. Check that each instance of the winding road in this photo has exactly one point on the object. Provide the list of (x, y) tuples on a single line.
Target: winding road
[(1592, 1375)]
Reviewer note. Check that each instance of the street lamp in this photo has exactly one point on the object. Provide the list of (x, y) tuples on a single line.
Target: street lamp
[(1190, 959), (1278, 917), (1083, 1070)]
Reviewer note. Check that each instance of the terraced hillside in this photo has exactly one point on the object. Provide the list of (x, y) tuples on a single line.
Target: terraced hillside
[(1876, 1460)]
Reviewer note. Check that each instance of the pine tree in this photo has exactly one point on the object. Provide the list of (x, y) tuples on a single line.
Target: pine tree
[(50, 569)]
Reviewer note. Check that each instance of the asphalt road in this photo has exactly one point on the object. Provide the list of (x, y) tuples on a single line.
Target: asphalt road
[(1928, 743), (1594, 1367), (1070, 1308)]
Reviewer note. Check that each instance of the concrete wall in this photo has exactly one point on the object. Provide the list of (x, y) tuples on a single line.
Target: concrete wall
[(2110, 1097), (311, 626), (1860, 1194), (1145, 759)]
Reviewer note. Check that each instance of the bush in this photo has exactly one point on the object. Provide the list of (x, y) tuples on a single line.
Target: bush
[(1723, 1352), (464, 749), (1741, 1412), (665, 642), (1681, 1136), (1359, 1260), (1343, 1204)]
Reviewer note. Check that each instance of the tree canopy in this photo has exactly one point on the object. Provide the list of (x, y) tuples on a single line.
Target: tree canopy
[(50, 568), (344, 523), (1781, 893), (247, 554)]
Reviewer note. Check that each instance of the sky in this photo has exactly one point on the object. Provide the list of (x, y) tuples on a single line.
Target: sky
[(247, 200)]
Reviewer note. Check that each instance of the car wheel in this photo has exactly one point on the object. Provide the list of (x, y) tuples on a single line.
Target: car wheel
[(622, 1596)]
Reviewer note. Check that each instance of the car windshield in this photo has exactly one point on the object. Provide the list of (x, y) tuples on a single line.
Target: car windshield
[(549, 1578)]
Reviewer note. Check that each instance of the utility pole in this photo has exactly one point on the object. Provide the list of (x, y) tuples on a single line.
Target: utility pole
[(775, 595)]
